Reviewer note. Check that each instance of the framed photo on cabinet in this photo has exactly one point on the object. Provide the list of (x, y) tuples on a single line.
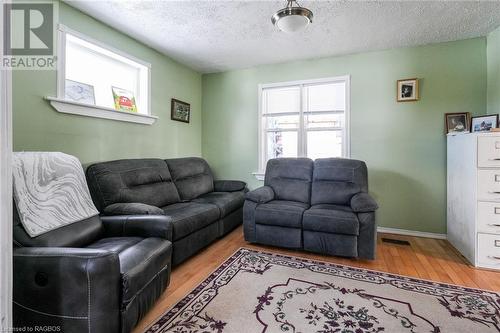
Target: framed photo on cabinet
[(484, 123), (457, 122)]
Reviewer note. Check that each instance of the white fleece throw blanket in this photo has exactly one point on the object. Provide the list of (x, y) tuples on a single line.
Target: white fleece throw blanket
[(50, 191)]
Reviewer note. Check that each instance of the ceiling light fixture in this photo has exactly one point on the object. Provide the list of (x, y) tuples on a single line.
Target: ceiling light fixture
[(292, 18)]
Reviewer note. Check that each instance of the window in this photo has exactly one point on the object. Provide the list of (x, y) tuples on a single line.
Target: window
[(90, 71), (304, 119)]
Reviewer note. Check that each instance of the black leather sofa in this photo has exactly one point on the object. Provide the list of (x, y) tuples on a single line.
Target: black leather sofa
[(182, 189), (99, 275), (321, 206)]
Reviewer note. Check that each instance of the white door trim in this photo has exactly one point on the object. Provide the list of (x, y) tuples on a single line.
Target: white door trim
[(5, 195)]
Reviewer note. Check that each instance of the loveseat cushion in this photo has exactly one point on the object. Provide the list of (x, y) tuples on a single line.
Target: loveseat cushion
[(337, 180), (331, 219), (188, 217), (281, 213), (192, 176), (146, 181), (141, 259), (227, 202), (290, 178)]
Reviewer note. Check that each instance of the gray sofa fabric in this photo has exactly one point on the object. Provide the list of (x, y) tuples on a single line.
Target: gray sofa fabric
[(124, 260), (189, 217), (132, 208), (321, 206), (192, 176), (146, 181), (261, 195), (182, 189), (229, 185), (290, 178)]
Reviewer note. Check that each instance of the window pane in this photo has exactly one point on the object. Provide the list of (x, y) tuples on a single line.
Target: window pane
[(322, 144), (281, 144), (102, 69), (279, 100), (325, 97), (283, 122), (325, 120)]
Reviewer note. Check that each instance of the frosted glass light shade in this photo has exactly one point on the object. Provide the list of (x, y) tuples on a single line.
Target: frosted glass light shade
[(292, 23), (292, 18)]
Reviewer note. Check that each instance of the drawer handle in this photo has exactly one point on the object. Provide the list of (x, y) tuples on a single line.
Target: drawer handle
[(493, 225), (497, 243), (494, 257), (494, 192), (497, 144), (497, 210), (497, 178), (494, 159)]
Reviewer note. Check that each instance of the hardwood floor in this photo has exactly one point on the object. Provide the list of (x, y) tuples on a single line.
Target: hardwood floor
[(425, 258)]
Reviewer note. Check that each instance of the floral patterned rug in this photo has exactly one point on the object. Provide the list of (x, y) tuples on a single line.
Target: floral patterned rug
[(256, 291)]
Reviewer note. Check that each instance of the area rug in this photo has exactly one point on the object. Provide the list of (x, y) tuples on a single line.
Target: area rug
[(255, 291)]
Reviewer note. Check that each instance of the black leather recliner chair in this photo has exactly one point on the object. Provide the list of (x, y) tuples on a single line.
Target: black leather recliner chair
[(99, 275)]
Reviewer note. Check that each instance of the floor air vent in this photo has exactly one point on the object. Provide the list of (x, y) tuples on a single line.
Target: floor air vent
[(395, 241)]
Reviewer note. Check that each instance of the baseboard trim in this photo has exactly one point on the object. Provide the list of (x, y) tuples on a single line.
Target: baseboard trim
[(411, 233)]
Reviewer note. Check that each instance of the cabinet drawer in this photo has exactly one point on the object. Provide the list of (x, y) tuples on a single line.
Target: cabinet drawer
[(488, 151), (488, 217), (488, 185), (488, 250)]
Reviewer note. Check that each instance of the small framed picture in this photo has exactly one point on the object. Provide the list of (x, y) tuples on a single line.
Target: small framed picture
[(484, 123), (124, 100), (457, 122), (180, 111), (407, 90), (79, 92)]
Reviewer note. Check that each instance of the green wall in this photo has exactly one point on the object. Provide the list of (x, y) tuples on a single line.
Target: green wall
[(37, 126), (493, 58), (403, 144)]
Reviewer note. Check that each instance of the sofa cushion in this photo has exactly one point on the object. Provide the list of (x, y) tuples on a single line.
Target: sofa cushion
[(227, 202), (290, 178), (281, 213), (146, 181), (331, 219), (192, 176), (188, 217), (141, 259), (337, 180)]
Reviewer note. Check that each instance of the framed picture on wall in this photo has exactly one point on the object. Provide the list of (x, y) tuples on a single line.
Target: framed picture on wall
[(457, 122), (180, 111), (484, 123), (407, 90)]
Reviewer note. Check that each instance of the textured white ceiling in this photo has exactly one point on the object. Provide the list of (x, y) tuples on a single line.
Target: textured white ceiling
[(212, 36)]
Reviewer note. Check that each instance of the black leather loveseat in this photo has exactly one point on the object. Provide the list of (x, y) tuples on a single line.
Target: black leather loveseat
[(321, 206), (182, 189)]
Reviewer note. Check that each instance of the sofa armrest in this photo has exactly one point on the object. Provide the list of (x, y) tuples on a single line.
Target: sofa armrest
[(229, 186), (261, 195), (138, 226), (363, 203), (67, 287), (132, 208)]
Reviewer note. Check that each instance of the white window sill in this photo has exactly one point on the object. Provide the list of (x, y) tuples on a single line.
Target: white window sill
[(259, 175), (82, 109)]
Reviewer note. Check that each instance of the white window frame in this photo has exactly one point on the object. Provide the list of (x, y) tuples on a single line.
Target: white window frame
[(64, 106), (346, 138)]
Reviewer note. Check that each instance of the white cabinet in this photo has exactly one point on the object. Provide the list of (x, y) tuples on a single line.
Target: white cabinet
[(473, 186)]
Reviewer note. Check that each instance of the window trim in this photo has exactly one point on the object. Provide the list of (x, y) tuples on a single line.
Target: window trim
[(346, 139), (62, 105)]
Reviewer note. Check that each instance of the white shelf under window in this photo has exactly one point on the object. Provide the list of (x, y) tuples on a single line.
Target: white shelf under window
[(89, 110), (259, 175)]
